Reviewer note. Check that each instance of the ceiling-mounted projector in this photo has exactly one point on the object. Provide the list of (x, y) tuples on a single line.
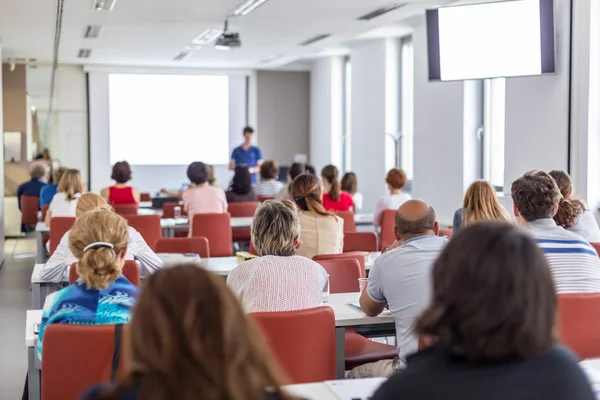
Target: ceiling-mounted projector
[(228, 40)]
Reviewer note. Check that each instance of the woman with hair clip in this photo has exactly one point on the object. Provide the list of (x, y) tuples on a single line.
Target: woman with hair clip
[(69, 190), (190, 339), (294, 170), (573, 214), (101, 295), (491, 324), (333, 198), (321, 232), (480, 204)]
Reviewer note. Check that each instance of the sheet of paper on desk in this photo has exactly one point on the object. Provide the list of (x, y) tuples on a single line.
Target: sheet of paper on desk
[(593, 375), (355, 389), (357, 305)]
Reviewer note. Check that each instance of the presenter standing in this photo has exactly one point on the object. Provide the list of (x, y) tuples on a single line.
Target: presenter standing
[(246, 154)]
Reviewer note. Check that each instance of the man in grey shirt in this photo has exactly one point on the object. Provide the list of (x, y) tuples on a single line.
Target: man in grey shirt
[(400, 279)]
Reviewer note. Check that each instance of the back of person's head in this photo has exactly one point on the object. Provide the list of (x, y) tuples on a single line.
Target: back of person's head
[(242, 180), (90, 202), (211, 174), (310, 169), (295, 170), (396, 178), (121, 172), (536, 195), (57, 174), (415, 218), (306, 192), (481, 204), (190, 339), (38, 170), (569, 207), (276, 228), (269, 170), (99, 241), (70, 184), (493, 296), (330, 174), (197, 173), (350, 183)]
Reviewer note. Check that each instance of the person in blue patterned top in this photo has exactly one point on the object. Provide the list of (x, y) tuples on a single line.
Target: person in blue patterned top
[(101, 295)]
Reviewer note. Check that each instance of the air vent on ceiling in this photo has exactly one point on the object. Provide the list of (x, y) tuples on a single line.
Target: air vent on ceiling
[(380, 11), (180, 55), (84, 53), (103, 5), (271, 58), (315, 39), (92, 31)]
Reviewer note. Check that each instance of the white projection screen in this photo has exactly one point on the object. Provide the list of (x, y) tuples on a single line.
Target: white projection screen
[(498, 39)]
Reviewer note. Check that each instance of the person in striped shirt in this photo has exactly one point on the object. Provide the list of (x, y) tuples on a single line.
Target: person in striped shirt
[(574, 263), (268, 186)]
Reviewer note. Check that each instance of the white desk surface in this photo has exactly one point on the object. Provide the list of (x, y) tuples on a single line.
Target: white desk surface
[(356, 388), (145, 204)]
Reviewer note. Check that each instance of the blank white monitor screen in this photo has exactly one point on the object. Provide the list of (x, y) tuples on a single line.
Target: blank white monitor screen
[(169, 119)]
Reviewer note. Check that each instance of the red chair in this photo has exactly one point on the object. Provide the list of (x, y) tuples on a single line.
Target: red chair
[(169, 210), (217, 229), (357, 255), (596, 246), (147, 225), (58, 227), (446, 232), (343, 274), (302, 341), (194, 245), (131, 271), (388, 223), (349, 223), (360, 241), (126, 209), (578, 324), (30, 205), (145, 197), (45, 208), (75, 357), (262, 199), (244, 209)]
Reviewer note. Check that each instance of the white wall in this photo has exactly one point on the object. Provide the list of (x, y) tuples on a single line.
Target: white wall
[(2, 202)]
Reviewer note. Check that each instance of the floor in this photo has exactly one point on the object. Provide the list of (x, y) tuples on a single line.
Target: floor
[(15, 299)]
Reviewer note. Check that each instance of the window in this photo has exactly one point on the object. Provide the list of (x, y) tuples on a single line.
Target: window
[(493, 133), (407, 89), (347, 100)]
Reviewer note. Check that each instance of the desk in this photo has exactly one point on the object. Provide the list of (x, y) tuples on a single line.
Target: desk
[(360, 388), (41, 288)]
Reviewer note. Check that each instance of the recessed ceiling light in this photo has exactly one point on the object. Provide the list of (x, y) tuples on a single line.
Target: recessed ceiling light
[(208, 36), (192, 48), (180, 55), (103, 5), (84, 53), (223, 48), (246, 7), (93, 31)]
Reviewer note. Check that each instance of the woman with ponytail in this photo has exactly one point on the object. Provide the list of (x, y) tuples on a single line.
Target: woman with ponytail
[(334, 199), (101, 295), (321, 232), (573, 215)]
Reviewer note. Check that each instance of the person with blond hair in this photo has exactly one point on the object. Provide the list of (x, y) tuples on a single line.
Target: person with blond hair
[(64, 202), (277, 280), (137, 249), (480, 204), (101, 295)]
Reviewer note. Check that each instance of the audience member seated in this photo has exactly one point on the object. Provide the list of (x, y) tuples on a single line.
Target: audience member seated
[(321, 232), (241, 189), (310, 169), (268, 186), (212, 179), (190, 339), (120, 192), (277, 280), (573, 214), (201, 198), (48, 191), (491, 323), (333, 198), (574, 263), (39, 177), (350, 186), (58, 265), (64, 202), (396, 180), (101, 295), (294, 170), (480, 204), (400, 280)]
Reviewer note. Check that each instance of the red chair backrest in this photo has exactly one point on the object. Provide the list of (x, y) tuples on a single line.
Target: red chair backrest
[(262, 199), (45, 208), (195, 245), (58, 227), (147, 225), (131, 271), (596, 246), (356, 255), (243, 209), (343, 274), (145, 197), (169, 210), (30, 205), (302, 341), (349, 223), (126, 209), (388, 223), (217, 229), (360, 241), (74, 357), (578, 324)]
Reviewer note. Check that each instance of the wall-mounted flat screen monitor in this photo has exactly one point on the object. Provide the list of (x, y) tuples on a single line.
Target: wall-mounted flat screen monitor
[(489, 40)]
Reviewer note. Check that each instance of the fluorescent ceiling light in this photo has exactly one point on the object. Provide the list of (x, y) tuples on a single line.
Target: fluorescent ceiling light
[(180, 55), (208, 36), (84, 53), (93, 31), (272, 58), (103, 5), (192, 48), (247, 7), (224, 48)]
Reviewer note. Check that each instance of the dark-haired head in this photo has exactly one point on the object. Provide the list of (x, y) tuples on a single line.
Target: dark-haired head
[(269, 170), (306, 192), (310, 169), (248, 132), (535, 196), (350, 183), (330, 175), (569, 207), (415, 218), (295, 170), (197, 173), (493, 296), (121, 172), (242, 180)]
